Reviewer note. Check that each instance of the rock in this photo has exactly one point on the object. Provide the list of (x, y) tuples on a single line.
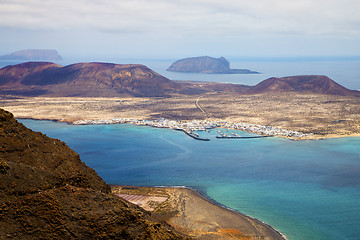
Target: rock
[(206, 65), (47, 192)]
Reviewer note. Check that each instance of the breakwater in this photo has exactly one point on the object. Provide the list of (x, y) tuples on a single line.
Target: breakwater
[(195, 135), (230, 137)]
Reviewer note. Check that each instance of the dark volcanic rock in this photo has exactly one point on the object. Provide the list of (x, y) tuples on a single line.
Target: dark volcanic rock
[(46, 192), (303, 84), (33, 54), (21, 146), (206, 65)]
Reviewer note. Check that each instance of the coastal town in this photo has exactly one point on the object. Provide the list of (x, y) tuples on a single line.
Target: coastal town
[(190, 127)]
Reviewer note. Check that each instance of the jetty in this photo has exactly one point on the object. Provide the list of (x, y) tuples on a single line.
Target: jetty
[(232, 137), (194, 135), (237, 136)]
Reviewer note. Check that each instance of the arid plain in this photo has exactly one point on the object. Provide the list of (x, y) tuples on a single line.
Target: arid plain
[(323, 115)]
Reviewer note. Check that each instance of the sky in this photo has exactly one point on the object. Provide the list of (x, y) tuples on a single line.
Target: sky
[(182, 28)]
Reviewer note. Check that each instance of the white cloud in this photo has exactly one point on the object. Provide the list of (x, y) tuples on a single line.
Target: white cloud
[(182, 27), (184, 18)]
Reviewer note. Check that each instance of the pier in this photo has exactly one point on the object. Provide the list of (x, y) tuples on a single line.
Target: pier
[(231, 137), (194, 135), (237, 136)]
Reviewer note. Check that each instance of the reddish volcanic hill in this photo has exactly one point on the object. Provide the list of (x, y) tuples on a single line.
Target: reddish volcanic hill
[(303, 84), (84, 79), (114, 80), (14, 74)]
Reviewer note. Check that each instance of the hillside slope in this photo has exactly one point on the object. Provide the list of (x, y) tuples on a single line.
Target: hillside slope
[(47, 192), (303, 84), (84, 79)]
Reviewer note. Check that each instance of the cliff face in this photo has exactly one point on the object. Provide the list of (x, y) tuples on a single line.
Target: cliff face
[(206, 65), (46, 192), (33, 54), (303, 84)]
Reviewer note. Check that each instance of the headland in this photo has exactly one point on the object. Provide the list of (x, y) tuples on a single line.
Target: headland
[(194, 215)]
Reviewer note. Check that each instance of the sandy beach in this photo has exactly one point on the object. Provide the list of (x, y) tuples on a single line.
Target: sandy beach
[(191, 213)]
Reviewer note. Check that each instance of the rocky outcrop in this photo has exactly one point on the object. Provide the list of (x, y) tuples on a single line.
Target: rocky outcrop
[(206, 65), (47, 192), (33, 54), (303, 84)]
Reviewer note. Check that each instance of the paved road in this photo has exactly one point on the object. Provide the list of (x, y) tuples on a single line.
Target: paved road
[(199, 107)]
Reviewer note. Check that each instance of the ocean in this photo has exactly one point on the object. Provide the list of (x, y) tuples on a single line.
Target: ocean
[(304, 189), (344, 71)]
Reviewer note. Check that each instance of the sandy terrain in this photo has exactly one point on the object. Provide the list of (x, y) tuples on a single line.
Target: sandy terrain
[(190, 213), (324, 115)]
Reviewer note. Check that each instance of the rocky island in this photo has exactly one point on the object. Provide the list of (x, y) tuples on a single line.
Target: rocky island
[(33, 54), (206, 64)]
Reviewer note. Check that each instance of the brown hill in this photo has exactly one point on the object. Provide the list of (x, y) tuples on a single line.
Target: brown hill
[(84, 79), (14, 74), (199, 87), (303, 84), (46, 192)]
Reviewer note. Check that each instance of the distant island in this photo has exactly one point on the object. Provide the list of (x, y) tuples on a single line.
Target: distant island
[(33, 54), (206, 64)]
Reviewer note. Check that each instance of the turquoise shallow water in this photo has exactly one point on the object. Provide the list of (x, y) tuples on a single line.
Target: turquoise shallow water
[(306, 190)]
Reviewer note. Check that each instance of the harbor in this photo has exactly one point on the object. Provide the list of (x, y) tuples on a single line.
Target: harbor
[(189, 127), (237, 136)]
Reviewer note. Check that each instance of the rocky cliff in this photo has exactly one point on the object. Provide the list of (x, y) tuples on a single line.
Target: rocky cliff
[(206, 65), (33, 54), (47, 192)]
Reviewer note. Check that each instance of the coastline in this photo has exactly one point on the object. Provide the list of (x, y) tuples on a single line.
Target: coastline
[(207, 198), (323, 115), (201, 217), (295, 138)]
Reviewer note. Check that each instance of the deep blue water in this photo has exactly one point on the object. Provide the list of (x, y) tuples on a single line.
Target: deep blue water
[(305, 189)]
